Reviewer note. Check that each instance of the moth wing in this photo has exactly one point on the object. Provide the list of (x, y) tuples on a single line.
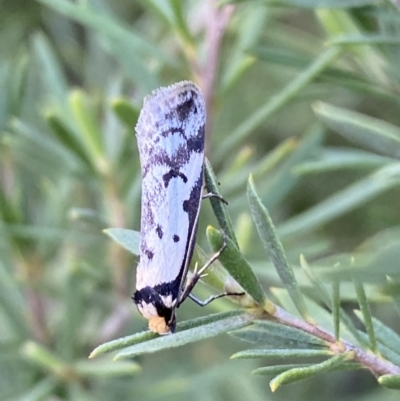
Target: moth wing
[(170, 134)]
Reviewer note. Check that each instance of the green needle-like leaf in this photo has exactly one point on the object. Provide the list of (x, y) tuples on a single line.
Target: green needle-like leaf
[(186, 337), (129, 239), (324, 60), (88, 127), (145, 336), (343, 201), (105, 369), (278, 369), (126, 112), (326, 298), (390, 381), (291, 333), (280, 354), (237, 266), (377, 135), (384, 334), (336, 307), (68, 138), (219, 207), (278, 336), (273, 246), (302, 373), (366, 312)]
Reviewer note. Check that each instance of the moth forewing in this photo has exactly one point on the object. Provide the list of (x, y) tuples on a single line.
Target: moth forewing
[(170, 135)]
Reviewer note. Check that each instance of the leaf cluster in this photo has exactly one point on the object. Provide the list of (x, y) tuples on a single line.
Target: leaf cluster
[(303, 134)]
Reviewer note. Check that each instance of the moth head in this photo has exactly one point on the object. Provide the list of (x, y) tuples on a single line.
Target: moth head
[(158, 310), (160, 325)]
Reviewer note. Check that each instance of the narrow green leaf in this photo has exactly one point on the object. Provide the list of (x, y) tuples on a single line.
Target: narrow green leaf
[(364, 39), (243, 230), (338, 22), (341, 202), (237, 266), (384, 334), (366, 312), (326, 58), (49, 234), (105, 369), (390, 381), (280, 56), (145, 336), (276, 338), (273, 246), (41, 390), (261, 337), (396, 296), (67, 138), (283, 180), (51, 156), (90, 130), (325, 297), (375, 134), (277, 369), (249, 29), (92, 216), (315, 3), (42, 357), (281, 330), (335, 159), (301, 373), (280, 354), (126, 112), (122, 342), (180, 22), (235, 179), (186, 337), (218, 206), (217, 277), (68, 330), (50, 68), (127, 46), (12, 305), (129, 239), (299, 59), (336, 308), (360, 87)]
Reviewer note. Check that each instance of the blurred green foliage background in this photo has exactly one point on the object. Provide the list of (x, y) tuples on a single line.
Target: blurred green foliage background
[(73, 75)]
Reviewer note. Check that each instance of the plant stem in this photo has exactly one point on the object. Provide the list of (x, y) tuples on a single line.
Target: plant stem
[(216, 23), (374, 363)]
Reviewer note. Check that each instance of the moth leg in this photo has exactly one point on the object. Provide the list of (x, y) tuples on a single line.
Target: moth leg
[(197, 274), (213, 195), (213, 297)]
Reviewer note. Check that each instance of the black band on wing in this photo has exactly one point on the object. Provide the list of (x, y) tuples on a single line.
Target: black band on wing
[(152, 295)]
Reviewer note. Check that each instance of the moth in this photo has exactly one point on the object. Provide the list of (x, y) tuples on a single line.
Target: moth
[(170, 134)]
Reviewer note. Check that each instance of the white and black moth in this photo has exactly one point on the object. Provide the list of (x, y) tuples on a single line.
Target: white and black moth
[(170, 134)]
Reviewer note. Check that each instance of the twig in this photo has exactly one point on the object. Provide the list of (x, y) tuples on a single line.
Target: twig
[(216, 23), (377, 365)]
